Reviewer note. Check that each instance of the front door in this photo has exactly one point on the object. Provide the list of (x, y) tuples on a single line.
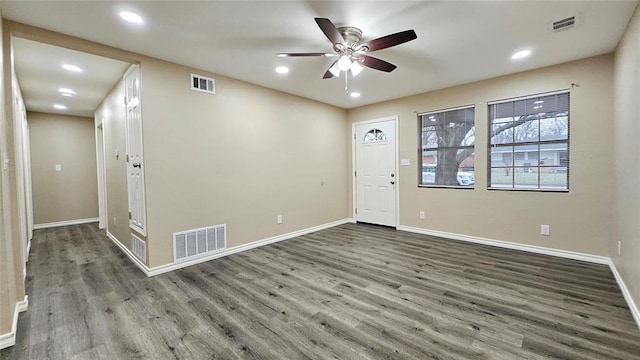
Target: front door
[(376, 178)]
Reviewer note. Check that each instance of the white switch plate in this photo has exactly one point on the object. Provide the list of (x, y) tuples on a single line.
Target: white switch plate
[(5, 161), (279, 219), (421, 215), (58, 167), (619, 247), (405, 162), (544, 230)]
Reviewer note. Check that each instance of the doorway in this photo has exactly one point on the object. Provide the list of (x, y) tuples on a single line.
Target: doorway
[(376, 175)]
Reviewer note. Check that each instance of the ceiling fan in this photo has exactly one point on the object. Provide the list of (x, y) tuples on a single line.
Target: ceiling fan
[(351, 52)]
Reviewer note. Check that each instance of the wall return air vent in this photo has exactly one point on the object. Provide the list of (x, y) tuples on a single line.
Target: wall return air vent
[(191, 244), (202, 83), (139, 248), (563, 24)]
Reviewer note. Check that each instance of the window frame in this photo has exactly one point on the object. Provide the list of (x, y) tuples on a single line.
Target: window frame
[(421, 148), (537, 143)]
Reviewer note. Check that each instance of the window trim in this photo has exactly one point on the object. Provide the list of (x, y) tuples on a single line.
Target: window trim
[(420, 148), (513, 144)]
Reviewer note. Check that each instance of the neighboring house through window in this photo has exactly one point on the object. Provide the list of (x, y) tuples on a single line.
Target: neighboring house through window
[(529, 143)]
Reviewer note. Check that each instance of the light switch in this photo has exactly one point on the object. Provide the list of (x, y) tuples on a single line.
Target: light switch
[(405, 162), (58, 167)]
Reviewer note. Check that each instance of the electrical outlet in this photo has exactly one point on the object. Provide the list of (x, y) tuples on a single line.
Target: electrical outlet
[(421, 215), (544, 230), (279, 219), (619, 247)]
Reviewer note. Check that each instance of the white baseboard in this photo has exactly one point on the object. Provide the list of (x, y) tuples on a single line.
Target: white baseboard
[(143, 267), (9, 339), (510, 245), (625, 292), (236, 249), (64, 223)]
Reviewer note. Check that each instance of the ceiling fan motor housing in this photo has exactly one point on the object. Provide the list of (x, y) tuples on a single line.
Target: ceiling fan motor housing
[(352, 37)]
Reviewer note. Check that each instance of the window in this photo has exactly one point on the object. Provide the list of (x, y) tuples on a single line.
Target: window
[(446, 148), (374, 135), (529, 143)]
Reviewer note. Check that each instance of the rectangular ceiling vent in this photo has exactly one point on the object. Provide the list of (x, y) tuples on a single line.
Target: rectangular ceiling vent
[(202, 83), (139, 248), (191, 244), (564, 24)]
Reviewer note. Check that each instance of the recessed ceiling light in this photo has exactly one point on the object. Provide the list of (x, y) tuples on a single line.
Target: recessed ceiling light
[(66, 91), (521, 54), (282, 69), (538, 102), (71, 67), (355, 94), (131, 17), (60, 107), (67, 94)]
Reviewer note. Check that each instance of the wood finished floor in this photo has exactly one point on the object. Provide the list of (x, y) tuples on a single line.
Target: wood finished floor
[(350, 292)]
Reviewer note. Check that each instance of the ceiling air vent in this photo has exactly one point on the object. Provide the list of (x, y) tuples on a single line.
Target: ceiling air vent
[(564, 24), (202, 83)]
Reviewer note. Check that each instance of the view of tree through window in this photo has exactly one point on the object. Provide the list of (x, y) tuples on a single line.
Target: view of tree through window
[(529, 143), (447, 140)]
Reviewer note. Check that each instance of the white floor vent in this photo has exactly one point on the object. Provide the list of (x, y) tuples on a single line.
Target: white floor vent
[(139, 248), (196, 243)]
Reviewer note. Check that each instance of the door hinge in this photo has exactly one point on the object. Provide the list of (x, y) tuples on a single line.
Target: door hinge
[(355, 173), (356, 211), (129, 215), (125, 99), (127, 157), (354, 136)]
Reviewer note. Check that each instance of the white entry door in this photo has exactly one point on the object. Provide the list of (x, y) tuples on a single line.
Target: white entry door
[(135, 163), (376, 178)]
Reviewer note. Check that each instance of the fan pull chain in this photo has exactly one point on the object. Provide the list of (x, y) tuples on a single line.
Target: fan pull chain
[(346, 82)]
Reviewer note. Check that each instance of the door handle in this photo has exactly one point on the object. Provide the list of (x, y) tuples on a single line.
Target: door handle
[(393, 182), (137, 165)]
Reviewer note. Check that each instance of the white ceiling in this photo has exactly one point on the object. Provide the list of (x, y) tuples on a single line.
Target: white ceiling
[(458, 41), (40, 80)]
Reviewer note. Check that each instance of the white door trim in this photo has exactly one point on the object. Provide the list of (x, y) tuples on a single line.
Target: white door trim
[(354, 189), (102, 191)]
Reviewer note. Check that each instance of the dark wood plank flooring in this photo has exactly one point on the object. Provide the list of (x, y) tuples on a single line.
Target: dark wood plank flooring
[(351, 292)]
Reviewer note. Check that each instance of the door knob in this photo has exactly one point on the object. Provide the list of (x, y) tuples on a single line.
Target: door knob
[(393, 175), (137, 165)]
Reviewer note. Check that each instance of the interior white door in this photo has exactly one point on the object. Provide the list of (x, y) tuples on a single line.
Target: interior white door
[(135, 163), (375, 147)]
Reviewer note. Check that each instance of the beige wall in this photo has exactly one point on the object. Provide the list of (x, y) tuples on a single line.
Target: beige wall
[(111, 114), (626, 121), (69, 141), (579, 220), (239, 157)]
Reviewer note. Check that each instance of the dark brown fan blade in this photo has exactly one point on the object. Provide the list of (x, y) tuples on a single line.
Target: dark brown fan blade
[(330, 31), (389, 40), (302, 54), (375, 63), (328, 74)]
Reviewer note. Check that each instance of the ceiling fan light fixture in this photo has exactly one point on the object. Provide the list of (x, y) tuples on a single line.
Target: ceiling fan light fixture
[(355, 68), (335, 70), (344, 63)]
